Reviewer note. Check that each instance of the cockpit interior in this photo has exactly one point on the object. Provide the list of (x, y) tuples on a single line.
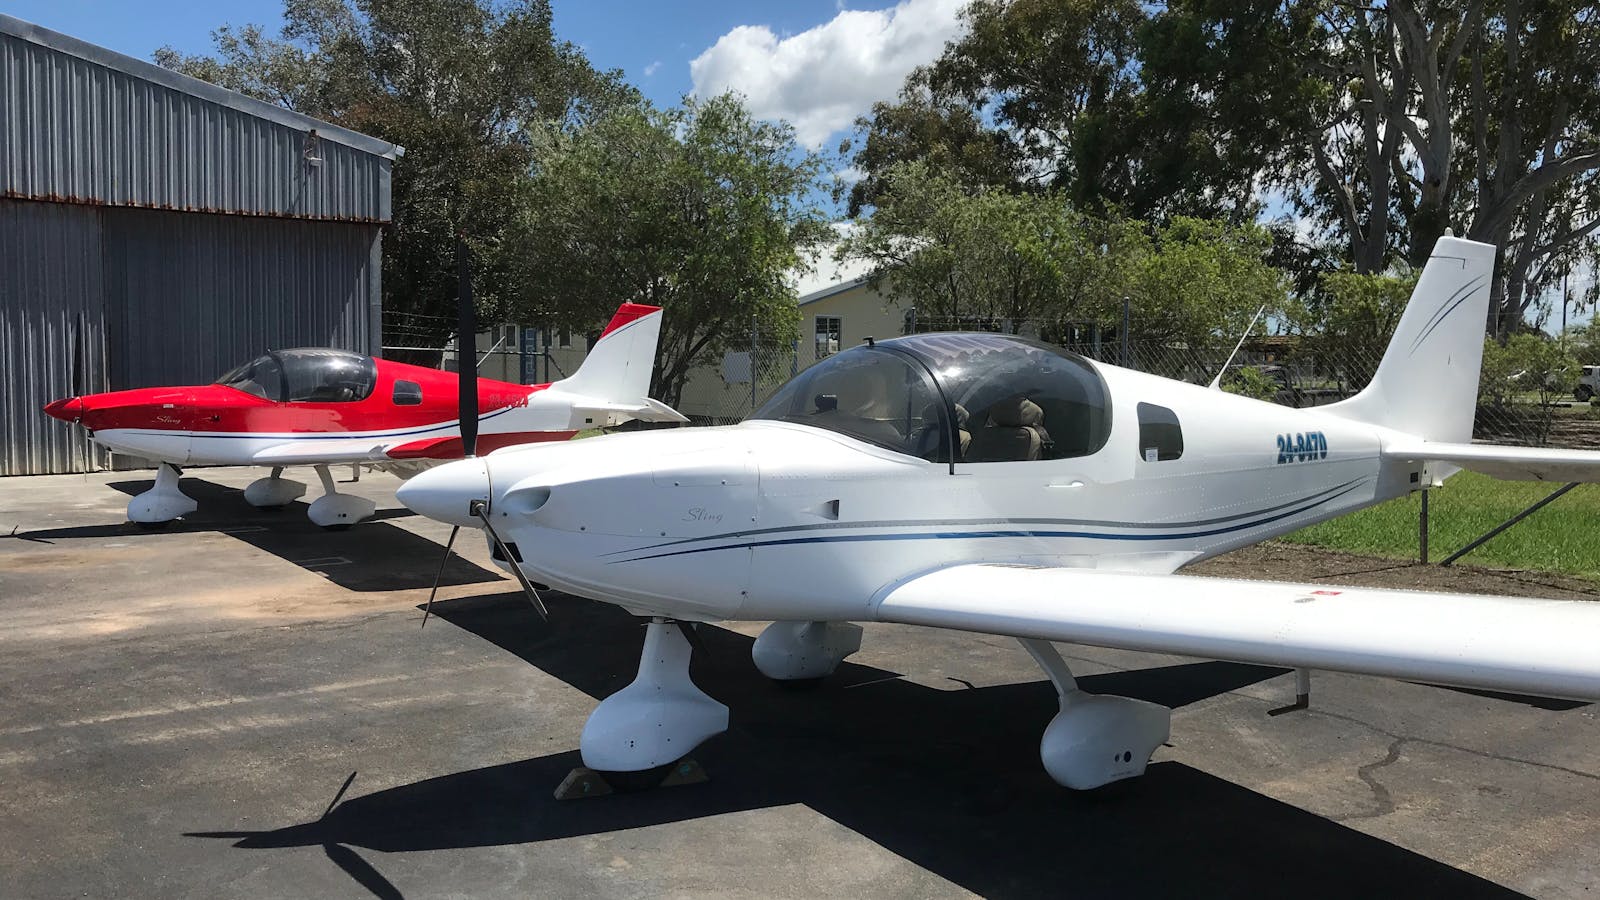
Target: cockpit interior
[(972, 398), (306, 375)]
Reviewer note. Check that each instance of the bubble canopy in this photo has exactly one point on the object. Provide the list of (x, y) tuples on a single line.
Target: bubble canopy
[(959, 397), (306, 375)]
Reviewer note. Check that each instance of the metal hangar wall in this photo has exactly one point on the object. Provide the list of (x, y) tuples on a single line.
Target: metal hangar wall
[(156, 229)]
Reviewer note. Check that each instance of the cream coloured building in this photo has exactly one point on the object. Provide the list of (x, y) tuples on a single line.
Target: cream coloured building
[(838, 309)]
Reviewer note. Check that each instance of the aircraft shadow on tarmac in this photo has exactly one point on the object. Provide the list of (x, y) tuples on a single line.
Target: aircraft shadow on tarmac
[(949, 780), (370, 556)]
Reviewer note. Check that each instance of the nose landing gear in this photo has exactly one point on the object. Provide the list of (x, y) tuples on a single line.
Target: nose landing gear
[(163, 502), (640, 736)]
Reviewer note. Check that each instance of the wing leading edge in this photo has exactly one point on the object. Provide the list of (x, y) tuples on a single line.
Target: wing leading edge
[(1543, 647)]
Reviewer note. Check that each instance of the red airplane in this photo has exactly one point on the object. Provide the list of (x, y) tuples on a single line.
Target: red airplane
[(318, 407)]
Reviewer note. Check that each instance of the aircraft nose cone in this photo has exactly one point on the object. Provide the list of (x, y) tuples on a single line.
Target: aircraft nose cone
[(445, 492), (69, 410)]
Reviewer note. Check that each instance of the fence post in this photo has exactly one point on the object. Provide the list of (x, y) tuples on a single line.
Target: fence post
[(754, 338), (1125, 317), (1422, 528)]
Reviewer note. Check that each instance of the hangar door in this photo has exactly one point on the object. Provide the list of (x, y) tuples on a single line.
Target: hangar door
[(52, 332)]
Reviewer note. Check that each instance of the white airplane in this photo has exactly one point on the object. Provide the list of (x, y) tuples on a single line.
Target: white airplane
[(994, 484), (316, 406)]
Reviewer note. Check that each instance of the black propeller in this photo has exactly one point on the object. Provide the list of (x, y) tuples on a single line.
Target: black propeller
[(466, 352), (467, 412)]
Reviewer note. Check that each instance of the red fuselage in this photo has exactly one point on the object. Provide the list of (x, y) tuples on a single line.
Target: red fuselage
[(410, 405)]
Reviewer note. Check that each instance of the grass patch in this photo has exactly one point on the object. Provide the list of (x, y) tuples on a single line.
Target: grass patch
[(1563, 537)]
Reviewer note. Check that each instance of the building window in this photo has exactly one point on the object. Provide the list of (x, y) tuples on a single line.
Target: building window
[(1160, 435), (828, 332), (566, 337)]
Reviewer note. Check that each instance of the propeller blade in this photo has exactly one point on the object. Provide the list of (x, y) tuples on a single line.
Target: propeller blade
[(440, 574), (466, 351), (481, 510), (337, 797)]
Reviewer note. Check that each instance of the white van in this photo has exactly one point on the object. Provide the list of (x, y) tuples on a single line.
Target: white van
[(1588, 384)]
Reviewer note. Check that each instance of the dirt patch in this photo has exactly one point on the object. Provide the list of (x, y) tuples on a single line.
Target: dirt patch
[(1286, 562)]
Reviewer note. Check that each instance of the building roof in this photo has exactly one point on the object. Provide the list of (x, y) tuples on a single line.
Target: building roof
[(824, 274), (194, 87)]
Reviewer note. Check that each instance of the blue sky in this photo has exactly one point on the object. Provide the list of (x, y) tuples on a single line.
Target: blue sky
[(816, 63)]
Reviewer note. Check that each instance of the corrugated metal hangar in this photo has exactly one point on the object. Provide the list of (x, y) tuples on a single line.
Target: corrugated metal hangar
[(159, 230)]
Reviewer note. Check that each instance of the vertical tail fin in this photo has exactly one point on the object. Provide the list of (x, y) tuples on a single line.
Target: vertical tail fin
[(619, 364), (1427, 383), (614, 380)]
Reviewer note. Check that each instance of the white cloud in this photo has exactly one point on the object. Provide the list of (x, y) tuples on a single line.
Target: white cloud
[(652, 68), (822, 78)]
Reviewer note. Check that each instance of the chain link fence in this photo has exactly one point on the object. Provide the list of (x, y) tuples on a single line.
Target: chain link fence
[(506, 351)]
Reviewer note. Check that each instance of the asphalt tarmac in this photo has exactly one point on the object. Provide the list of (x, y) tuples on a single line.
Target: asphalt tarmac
[(245, 705)]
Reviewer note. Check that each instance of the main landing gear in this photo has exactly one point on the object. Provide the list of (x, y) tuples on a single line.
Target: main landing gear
[(336, 510), (163, 502), (1095, 739), (804, 653), (640, 736), (273, 491)]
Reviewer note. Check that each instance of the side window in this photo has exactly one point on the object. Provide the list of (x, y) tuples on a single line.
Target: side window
[(1160, 435), (407, 393), (828, 332)]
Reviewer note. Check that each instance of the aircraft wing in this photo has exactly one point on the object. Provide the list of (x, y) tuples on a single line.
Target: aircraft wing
[(312, 452), (1511, 463), (1547, 648)]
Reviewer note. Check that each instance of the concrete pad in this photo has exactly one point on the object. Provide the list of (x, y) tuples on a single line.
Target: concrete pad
[(184, 709)]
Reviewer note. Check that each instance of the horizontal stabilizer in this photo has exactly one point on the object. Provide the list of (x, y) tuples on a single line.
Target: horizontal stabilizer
[(1540, 647), (645, 409), (1511, 463)]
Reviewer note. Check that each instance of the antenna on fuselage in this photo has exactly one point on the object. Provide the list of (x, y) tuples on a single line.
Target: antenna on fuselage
[(1216, 383)]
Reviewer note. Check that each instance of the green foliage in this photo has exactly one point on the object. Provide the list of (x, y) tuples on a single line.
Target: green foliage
[(1348, 321), (1198, 279), (1094, 100), (1528, 363), (699, 209), (1584, 343), (459, 83), (982, 255), (966, 255), (1559, 538), (1381, 124), (1250, 381)]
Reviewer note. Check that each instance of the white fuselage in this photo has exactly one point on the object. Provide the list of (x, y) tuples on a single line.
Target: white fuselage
[(774, 520)]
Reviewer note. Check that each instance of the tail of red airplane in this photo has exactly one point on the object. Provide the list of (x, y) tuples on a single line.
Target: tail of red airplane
[(615, 375)]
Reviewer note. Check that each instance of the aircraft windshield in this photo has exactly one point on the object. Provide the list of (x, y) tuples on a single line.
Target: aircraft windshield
[(1011, 399), (307, 374), (871, 394)]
